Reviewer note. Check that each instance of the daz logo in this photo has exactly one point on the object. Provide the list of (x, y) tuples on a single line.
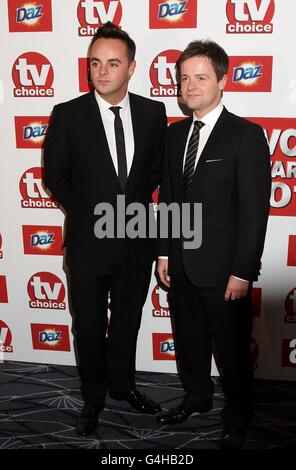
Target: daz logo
[(42, 240), (50, 337), (47, 291), (29, 16), (163, 75), (33, 194), (5, 338), (250, 16), (160, 302), (249, 74), (93, 13), (33, 75), (163, 347), (30, 131), (172, 14)]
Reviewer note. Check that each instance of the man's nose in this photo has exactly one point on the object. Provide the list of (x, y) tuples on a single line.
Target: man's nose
[(103, 69)]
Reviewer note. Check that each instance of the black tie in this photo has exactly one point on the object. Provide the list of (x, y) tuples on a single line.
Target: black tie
[(120, 147), (191, 154)]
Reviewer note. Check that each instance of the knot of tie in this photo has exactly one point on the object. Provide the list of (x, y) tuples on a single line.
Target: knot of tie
[(115, 110), (198, 124)]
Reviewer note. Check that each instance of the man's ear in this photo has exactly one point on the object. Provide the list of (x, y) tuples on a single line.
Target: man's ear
[(132, 68), (222, 83)]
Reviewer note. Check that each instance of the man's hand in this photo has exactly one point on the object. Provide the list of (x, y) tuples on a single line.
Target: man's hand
[(236, 288), (162, 269)]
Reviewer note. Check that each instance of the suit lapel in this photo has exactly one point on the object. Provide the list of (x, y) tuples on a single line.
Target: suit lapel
[(180, 144), (94, 114), (211, 143), (138, 121)]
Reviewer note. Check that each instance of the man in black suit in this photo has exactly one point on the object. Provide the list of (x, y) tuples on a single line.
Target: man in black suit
[(222, 161), (101, 145)]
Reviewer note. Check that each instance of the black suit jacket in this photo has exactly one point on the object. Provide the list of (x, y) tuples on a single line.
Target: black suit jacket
[(232, 181), (79, 171)]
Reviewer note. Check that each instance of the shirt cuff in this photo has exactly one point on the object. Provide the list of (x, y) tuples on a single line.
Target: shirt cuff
[(240, 279)]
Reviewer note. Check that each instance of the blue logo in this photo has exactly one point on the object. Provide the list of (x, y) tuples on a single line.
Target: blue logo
[(167, 346), (34, 132), (42, 239), (171, 9), (27, 14), (246, 73), (45, 337)]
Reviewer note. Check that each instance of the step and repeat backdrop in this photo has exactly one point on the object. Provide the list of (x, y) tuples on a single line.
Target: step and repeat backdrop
[(43, 62)]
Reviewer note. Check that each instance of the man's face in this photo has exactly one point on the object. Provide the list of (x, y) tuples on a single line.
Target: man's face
[(110, 69), (199, 86)]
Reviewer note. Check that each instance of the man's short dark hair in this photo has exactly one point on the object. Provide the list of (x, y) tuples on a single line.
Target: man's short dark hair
[(111, 31), (210, 49)]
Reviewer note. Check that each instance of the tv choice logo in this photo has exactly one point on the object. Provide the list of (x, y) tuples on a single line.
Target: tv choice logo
[(163, 75), (163, 347), (30, 131), (172, 14), (291, 251), (3, 290), (93, 13), (1, 252), (33, 76), (289, 352), (33, 193), (85, 84), (249, 74), (250, 16), (29, 16), (42, 240), (160, 303), (46, 291), (5, 338), (50, 337), (290, 307), (281, 137)]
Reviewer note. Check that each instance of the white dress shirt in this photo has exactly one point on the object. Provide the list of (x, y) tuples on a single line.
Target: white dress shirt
[(209, 121), (108, 118)]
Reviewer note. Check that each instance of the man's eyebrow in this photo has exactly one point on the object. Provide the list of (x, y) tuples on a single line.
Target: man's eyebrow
[(109, 60), (196, 75)]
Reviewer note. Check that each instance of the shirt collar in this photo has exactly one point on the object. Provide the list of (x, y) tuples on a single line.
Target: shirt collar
[(104, 105), (212, 117)]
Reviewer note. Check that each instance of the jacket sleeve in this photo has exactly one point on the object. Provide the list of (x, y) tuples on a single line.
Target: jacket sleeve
[(254, 185), (57, 159)]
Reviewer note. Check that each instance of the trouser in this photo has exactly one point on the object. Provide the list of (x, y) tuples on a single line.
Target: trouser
[(107, 361), (199, 316)]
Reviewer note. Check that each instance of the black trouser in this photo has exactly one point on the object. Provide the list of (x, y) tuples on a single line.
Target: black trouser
[(107, 362), (200, 315)]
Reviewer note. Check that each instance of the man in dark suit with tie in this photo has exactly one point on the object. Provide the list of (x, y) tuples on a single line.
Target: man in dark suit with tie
[(222, 161), (101, 145)]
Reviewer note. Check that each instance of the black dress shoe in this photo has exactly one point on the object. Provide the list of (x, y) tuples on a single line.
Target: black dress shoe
[(138, 401), (181, 413), (88, 420), (232, 438)]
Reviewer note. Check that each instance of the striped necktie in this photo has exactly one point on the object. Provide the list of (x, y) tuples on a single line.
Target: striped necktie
[(191, 154)]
